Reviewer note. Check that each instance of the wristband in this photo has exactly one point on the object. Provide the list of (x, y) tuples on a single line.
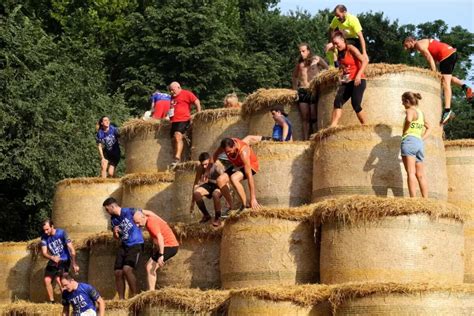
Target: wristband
[(160, 255)]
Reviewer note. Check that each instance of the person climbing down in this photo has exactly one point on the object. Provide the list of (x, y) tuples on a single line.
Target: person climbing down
[(205, 185), (412, 147), (108, 146), (82, 296), (438, 52), (160, 105), (352, 82)]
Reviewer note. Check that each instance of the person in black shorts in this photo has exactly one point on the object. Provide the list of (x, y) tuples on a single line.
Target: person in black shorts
[(205, 185)]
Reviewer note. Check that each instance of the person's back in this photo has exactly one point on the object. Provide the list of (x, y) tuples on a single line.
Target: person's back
[(155, 225), (161, 105), (439, 50)]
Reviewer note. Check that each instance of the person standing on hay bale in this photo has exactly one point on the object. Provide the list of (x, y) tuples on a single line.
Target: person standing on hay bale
[(160, 105), (164, 241), (412, 147), (438, 52), (307, 67), (205, 185), (231, 101), (108, 146), (125, 229), (350, 26), (352, 82), (244, 167), (81, 296), (59, 250), (180, 115)]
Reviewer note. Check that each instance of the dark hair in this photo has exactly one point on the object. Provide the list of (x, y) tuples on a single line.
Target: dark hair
[(203, 156), (308, 59), (409, 38), (66, 276), (101, 120), (340, 7), (227, 142), (109, 201), (47, 221), (338, 34), (279, 108), (411, 97)]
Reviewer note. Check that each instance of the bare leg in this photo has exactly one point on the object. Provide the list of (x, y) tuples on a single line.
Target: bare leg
[(236, 179), (362, 117), (457, 81), (49, 287), (151, 267), (305, 116), (420, 175), (409, 163), (103, 168), (336, 116), (179, 144), (131, 280), (447, 90), (222, 182), (111, 170), (120, 283)]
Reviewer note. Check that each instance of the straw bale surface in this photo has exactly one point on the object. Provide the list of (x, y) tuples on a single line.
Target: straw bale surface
[(285, 176), (153, 191), (460, 167), (211, 126), (403, 248), (382, 97), (171, 301), (15, 263), (77, 204), (402, 299), (24, 308), (118, 307), (264, 250), (366, 160), (256, 109)]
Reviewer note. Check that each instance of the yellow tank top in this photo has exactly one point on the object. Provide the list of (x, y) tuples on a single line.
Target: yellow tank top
[(416, 127)]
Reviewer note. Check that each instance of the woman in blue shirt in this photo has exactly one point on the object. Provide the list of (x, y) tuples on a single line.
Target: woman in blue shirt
[(282, 130), (108, 146)]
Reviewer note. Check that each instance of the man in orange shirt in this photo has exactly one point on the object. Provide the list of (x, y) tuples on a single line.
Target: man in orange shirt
[(164, 241)]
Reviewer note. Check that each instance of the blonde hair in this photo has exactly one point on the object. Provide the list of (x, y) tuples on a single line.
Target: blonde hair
[(411, 97), (231, 101)]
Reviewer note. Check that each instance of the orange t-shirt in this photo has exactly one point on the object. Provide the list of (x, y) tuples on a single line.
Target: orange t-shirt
[(156, 225), (237, 161), (439, 50)]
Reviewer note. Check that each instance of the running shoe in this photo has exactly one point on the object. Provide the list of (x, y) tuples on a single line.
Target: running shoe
[(447, 116), (469, 95), (173, 165)]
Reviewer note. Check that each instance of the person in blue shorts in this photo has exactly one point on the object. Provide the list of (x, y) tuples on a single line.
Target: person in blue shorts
[(125, 229), (81, 296), (108, 146), (57, 247)]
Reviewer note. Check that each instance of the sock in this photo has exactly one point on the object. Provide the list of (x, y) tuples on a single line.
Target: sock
[(464, 87), (447, 110), (203, 208)]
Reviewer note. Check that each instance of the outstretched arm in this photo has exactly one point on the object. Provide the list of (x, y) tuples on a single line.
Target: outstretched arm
[(423, 49), (72, 252), (245, 156), (197, 103)]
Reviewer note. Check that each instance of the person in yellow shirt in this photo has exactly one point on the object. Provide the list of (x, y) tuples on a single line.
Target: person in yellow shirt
[(350, 26)]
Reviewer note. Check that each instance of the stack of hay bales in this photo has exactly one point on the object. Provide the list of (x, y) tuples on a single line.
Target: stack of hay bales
[(15, 265)]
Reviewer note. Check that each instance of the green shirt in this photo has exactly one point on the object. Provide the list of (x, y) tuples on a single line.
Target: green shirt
[(350, 27)]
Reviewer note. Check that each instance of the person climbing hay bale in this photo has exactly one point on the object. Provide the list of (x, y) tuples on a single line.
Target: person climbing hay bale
[(460, 165), (390, 240), (285, 173), (150, 191), (15, 259), (78, 200), (269, 246), (366, 160), (256, 108), (213, 125)]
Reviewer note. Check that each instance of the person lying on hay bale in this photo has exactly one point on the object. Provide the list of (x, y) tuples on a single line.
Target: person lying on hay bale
[(81, 296)]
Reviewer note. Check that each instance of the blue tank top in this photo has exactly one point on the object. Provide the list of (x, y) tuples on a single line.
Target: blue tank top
[(130, 233), (81, 299), (57, 244), (278, 131)]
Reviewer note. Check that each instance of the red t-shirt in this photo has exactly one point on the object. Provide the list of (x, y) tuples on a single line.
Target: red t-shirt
[(156, 225), (182, 106)]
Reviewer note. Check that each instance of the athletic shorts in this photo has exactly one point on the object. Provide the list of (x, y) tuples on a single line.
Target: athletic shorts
[(209, 187), (169, 253), (181, 127), (413, 147), (348, 91), (230, 171), (128, 256), (112, 159), (305, 96), (56, 269), (446, 66)]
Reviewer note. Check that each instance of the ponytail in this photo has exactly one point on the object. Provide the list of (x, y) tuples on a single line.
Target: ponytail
[(411, 97)]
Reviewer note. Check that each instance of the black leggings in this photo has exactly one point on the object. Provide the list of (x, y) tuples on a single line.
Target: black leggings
[(348, 91)]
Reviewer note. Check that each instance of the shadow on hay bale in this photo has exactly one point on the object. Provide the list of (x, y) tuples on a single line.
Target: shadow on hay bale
[(15, 258)]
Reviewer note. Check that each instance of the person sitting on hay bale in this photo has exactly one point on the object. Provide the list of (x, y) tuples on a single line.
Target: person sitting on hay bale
[(412, 147), (438, 52), (231, 101), (82, 296), (307, 67), (108, 146), (165, 243), (58, 248), (180, 115), (205, 185), (352, 82), (125, 229), (244, 165)]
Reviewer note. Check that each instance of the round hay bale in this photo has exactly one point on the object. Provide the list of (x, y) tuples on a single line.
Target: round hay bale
[(117, 307), (180, 302), (366, 160), (390, 240), (388, 83), (299, 300), (77, 201), (212, 126), (197, 263), (403, 299), (270, 246), (15, 264), (285, 176), (150, 191), (24, 308), (256, 109), (460, 167)]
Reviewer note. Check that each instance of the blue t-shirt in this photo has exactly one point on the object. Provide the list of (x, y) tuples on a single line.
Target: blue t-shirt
[(157, 96), (109, 141), (278, 131), (57, 244), (130, 233), (81, 299)]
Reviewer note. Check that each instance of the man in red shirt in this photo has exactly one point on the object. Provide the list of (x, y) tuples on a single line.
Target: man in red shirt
[(164, 241), (180, 115)]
